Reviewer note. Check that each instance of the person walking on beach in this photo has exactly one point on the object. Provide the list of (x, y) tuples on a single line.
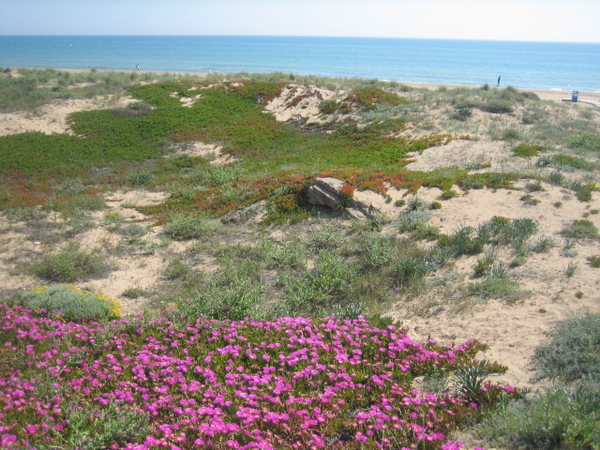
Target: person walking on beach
[(137, 67), (499, 80)]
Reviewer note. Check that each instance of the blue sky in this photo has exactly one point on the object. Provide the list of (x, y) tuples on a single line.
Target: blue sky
[(529, 20)]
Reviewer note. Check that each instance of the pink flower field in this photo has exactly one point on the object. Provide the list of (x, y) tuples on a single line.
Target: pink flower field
[(290, 383)]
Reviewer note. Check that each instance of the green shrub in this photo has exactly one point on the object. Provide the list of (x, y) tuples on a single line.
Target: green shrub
[(531, 117), (141, 178), (543, 244), (329, 107), (412, 219), (463, 114), (572, 353), (133, 293), (556, 419), (556, 178), (581, 229), (573, 161), (504, 231), (72, 302), (177, 270), (410, 269), (570, 269), (377, 251), (71, 265), (183, 227), (594, 261), (497, 106), (464, 241), (528, 199), (414, 203), (498, 287), (368, 98), (543, 161), (80, 202), (484, 265), (421, 232), (586, 142), (526, 151), (583, 193), (447, 194), (323, 289), (510, 134), (93, 427), (233, 292), (435, 205), (534, 187)]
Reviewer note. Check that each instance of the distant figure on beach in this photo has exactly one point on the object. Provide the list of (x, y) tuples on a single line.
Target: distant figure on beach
[(499, 80), (137, 67)]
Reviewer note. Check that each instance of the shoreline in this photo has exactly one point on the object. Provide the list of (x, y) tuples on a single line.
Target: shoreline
[(557, 95)]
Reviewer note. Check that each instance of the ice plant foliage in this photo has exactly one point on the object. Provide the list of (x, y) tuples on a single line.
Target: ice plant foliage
[(291, 383)]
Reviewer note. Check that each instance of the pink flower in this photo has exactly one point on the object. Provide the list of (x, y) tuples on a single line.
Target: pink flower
[(359, 437), (8, 440), (454, 445)]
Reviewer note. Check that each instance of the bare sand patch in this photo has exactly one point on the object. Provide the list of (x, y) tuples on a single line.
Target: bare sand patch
[(52, 118), (299, 102), (212, 152)]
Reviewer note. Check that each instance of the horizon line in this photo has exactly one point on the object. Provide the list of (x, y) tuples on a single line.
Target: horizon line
[(299, 36)]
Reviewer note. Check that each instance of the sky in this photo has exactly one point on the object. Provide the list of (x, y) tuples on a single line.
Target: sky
[(522, 20)]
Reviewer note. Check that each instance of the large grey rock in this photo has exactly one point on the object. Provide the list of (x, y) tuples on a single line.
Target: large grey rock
[(325, 192)]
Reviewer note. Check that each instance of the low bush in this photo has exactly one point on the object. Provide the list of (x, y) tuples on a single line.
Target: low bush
[(574, 162), (484, 265), (498, 287), (71, 265), (463, 114), (141, 178), (583, 192), (233, 292), (594, 261), (183, 227), (525, 151), (497, 106), (329, 107), (560, 418), (133, 293), (586, 142), (581, 229), (557, 178), (177, 270), (464, 241), (117, 423), (543, 244), (572, 352), (72, 302)]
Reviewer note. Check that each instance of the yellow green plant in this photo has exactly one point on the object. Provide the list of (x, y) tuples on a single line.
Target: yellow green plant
[(71, 302)]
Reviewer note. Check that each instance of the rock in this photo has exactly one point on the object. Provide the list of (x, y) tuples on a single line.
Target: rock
[(325, 192), (237, 216)]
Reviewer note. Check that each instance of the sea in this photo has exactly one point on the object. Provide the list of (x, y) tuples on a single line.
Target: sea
[(526, 65)]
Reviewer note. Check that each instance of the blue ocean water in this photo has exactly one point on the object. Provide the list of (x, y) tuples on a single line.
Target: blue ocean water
[(541, 65)]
